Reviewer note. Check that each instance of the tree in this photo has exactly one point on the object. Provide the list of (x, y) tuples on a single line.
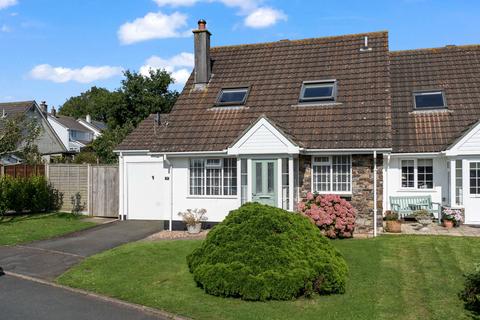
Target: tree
[(17, 136), (122, 109)]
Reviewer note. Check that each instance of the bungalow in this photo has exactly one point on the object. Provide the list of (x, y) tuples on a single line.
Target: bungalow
[(269, 122)]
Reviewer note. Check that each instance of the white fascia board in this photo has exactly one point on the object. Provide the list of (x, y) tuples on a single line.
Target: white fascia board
[(466, 136), (416, 154), (89, 126), (344, 151), (191, 153), (131, 151)]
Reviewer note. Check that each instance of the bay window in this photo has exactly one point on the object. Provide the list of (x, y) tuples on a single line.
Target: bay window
[(213, 177), (332, 174)]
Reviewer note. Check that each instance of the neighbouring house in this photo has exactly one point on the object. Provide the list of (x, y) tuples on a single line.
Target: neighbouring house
[(48, 142), (75, 133), (344, 115)]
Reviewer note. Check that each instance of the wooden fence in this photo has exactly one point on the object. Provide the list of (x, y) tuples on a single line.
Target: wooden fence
[(97, 186), (22, 170)]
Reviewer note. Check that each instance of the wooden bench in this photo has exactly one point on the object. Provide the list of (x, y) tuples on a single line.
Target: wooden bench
[(407, 205)]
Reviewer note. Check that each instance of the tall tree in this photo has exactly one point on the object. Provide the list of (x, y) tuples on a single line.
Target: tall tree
[(122, 109)]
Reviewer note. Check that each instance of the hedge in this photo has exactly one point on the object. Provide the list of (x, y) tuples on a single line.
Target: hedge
[(260, 252), (33, 194)]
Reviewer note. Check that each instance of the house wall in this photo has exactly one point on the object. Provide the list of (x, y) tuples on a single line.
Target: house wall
[(61, 131), (362, 187), (393, 172), (47, 142)]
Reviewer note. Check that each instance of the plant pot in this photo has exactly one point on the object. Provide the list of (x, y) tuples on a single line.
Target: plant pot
[(448, 224), (394, 226), (194, 228)]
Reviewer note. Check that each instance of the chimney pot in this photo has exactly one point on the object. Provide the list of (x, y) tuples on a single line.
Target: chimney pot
[(54, 112), (202, 24), (44, 107)]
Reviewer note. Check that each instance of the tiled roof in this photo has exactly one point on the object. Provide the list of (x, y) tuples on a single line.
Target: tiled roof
[(361, 118), (455, 70), (71, 123), (13, 108)]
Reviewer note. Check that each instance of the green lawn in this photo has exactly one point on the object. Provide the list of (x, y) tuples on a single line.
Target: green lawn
[(26, 228), (391, 277)]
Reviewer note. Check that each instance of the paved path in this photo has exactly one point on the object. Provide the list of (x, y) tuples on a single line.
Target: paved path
[(438, 230), (21, 298), (48, 259)]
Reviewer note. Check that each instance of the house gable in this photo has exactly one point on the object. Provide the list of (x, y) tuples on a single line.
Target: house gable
[(468, 143), (263, 138)]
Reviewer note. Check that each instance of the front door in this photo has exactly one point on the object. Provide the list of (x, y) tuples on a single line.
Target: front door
[(264, 186), (472, 202)]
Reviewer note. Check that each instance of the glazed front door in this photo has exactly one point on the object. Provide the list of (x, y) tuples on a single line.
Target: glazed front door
[(264, 184)]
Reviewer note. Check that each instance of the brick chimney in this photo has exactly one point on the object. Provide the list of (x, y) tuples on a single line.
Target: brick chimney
[(202, 55)]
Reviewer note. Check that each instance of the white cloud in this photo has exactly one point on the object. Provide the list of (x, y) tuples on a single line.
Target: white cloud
[(175, 3), (264, 17), (179, 66), (7, 3), (83, 75), (153, 26), (5, 28)]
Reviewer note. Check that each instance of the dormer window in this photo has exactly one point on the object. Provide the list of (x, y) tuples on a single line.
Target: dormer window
[(232, 97), (315, 91), (425, 100)]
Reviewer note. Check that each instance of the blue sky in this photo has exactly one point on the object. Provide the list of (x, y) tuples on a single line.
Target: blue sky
[(54, 49)]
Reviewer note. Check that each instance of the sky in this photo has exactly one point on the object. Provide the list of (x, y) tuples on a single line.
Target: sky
[(54, 49)]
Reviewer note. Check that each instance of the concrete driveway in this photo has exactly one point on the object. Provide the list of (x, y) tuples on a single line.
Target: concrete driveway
[(48, 259), (26, 292)]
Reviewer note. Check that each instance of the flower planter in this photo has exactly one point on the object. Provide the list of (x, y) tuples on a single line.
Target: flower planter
[(393, 226), (448, 224), (194, 228)]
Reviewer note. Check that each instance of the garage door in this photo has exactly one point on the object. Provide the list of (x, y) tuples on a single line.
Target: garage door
[(145, 182)]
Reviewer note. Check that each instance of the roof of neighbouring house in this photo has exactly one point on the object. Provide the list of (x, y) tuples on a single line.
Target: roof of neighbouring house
[(14, 108), (71, 123), (453, 69), (274, 72)]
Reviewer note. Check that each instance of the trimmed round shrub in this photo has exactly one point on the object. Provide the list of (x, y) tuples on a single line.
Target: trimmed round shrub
[(260, 252), (470, 295), (333, 215)]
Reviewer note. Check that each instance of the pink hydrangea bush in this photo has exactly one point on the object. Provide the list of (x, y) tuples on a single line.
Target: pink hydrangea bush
[(333, 215)]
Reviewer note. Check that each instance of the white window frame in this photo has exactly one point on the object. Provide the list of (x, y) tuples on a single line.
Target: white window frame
[(211, 165), (415, 174), (426, 93), (331, 182)]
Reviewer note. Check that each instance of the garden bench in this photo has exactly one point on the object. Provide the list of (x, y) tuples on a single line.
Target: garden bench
[(407, 205)]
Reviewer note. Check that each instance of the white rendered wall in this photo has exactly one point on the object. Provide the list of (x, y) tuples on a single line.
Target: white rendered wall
[(392, 179)]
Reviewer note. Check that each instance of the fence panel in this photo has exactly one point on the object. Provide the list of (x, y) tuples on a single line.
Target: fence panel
[(104, 191), (23, 170), (70, 179)]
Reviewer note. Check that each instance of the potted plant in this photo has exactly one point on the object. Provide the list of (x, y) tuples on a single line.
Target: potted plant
[(451, 217), (193, 219), (392, 223), (423, 217)]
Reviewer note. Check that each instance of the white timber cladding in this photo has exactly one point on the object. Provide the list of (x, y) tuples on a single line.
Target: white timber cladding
[(263, 138), (469, 144), (393, 177), (61, 132)]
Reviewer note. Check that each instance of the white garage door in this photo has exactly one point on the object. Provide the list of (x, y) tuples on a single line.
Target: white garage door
[(145, 182)]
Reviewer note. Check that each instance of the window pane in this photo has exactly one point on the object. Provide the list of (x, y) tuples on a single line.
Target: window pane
[(321, 178), (230, 176), (425, 100), (458, 183), (408, 179), (474, 178), (197, 178), (258, 177), (285, 184), (213, 185), (341, 173), (271, 177), (244, 179), (232, 96), (425, 173), (318, 91)]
